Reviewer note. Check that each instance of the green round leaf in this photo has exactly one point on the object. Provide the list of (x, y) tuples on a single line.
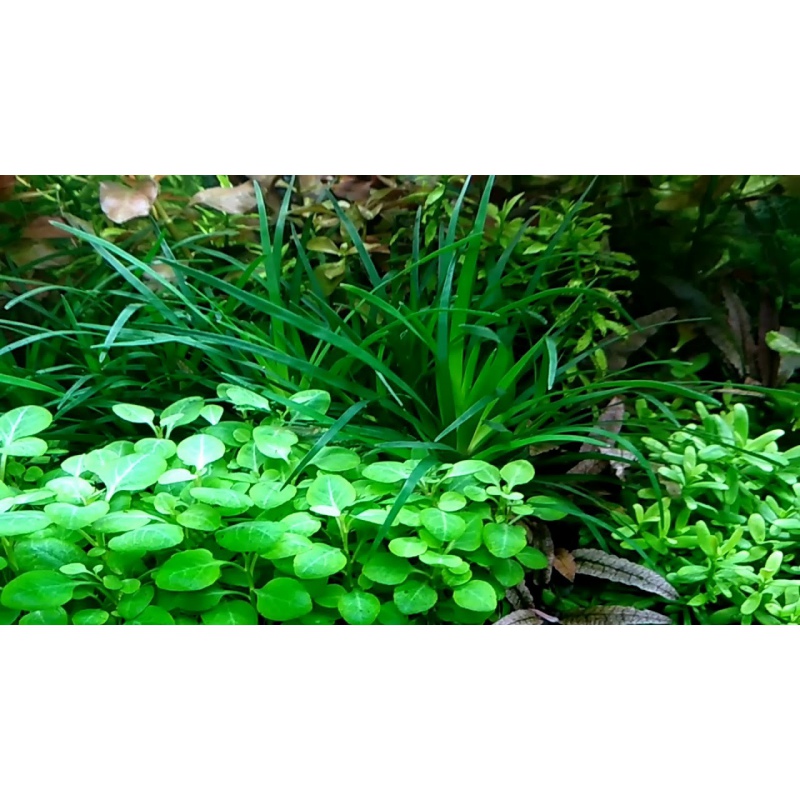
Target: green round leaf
[(452, 501), (130, 473), (134, 413), (177, 475), (18, 523), (330, 495), (503, 540), (231, 612), (71, 489), (532, 558), (517, 473), (407, 546), (387, 569), (153, 615), (290, 544), (47, 616), (133, 604), (160, 536), (37, 590), (271, 494), (283, 599), (75, 518), (244, 398), (476, 596), (231, 501), (548, 508), (188, 571), (414, 597), (90, 616), (444, 526), (391, 615), (316, 400), (301, 523), (329, 595), (23, 421), (507, 572), (122, 522), (442, 560), (359, 608), (274, 442), (250, 537), (336, 459), (319, 561), (46, 553), (30, 447), (165, 448), (200, 518), (200, 450), (387, 472)]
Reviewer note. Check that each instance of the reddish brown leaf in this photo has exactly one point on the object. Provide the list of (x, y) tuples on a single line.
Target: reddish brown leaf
[(353, 188), (616, 615), (40, 228), (7, 183), (564, 563)]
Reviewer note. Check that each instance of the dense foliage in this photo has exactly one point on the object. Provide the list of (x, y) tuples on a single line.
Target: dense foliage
[(393, 400)]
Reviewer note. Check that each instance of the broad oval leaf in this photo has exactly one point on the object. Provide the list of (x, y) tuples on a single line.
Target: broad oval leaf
[(330, 495), (387, 472), (233, 502), (283, 599), (231, 612), (517, 473), (250, 537), (387, 569), (476, 596), (274, 442), (599, 564), (443, 525), (130, 473), (407, 546), (188, 571), (415, 597), (90, 616), (160, 536), (503, 540), (23, 422), (267, 494), (40, 589), (133, 413), (200, 450), (18, 523), (359, 608), (319, 561), (75, 518)]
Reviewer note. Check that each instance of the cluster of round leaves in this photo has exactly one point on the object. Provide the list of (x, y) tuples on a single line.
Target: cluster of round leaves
[(241, 521)]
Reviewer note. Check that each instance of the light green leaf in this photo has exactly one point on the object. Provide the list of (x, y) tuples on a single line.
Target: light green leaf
[(267, 494), (476, 596), (133, 413), (45, 554), (387, 569), (40, 589), (532, 558), (74, 518), (387, 472), (290, 544), (315, 400), (30, 447), (165, 448), (330, 495), (301, 523), (47, 616), (131, 473), (160, 536), (90, 616), (415, 597), (452, 501), (233, 502), (231, 612), (71, 489), (359, 608), (244, 398), (444, 526), (188, 571), (503, 540), (517, 473), (18, 523), (319, 561), (274, 442), (177, 475), (22, 422), (199, 517), (336, 459), (407, 546), (283, 599), (122, 521), (200, 450), (250, 537), (441, 560)]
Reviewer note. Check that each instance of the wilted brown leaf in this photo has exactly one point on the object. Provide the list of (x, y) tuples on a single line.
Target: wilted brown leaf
[(230, 200), (7, 183), (564, 563), (599, 564), (40, 228), (616, 615), (524, 616), (355, 188), (123, 203), (520, 596), (618, 350), (37, 254)]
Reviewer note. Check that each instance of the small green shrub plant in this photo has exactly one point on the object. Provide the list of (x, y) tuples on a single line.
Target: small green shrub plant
[(255, 517), (726, 531)]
